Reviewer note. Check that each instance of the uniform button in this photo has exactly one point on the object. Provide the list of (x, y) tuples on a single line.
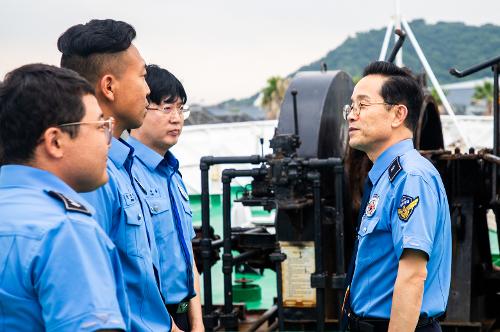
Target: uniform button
[(139, 217), (155, 208), (364, 229)]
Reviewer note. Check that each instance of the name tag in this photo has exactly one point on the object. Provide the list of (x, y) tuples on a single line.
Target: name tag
[(129, 198)]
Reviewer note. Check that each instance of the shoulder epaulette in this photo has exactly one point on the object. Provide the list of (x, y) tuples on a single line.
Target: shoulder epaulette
[(394, 169), (70, 204)]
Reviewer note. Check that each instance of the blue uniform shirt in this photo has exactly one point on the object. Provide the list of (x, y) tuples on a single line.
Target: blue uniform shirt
[(58, 270), (119, 210), (168, 204), (408, 208)]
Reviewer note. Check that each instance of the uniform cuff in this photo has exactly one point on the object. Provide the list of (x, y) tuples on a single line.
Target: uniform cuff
[(413, 242)]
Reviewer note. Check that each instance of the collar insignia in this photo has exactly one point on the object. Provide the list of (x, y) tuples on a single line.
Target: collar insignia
[(70, 204), (394, 169)]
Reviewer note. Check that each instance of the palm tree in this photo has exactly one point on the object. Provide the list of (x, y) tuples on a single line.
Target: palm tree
[(485, 92), (273, 95)]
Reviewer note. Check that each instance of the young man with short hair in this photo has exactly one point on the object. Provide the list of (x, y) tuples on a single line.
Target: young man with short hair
[(167, 197), (102, 51), (59, 270)]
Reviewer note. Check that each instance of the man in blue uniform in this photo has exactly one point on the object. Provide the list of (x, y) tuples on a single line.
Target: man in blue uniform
[(166, 196), (102, 52), (58, 270), (402, 267)]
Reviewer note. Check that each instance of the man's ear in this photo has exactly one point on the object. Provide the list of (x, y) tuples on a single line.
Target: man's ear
[(107, 87), (401, 113), (53, 142)]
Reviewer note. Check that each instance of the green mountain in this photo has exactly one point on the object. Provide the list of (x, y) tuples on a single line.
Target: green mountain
[(444, 44)]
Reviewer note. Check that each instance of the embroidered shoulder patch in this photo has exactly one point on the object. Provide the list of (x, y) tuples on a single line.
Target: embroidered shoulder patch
[(394, 169), (371, 207), (407, 206), (70, 204)]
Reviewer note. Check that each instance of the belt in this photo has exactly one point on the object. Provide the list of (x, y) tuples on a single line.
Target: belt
[(179, 308), (369, 324)]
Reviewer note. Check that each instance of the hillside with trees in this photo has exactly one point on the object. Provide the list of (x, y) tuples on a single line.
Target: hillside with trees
[(444, 44)]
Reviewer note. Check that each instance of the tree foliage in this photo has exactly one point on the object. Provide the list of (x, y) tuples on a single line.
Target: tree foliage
[(485, 92), (273, 95), (445, 45)]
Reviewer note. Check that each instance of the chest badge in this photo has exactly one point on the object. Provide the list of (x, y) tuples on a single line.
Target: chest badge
[(407, 206), (371, 207)]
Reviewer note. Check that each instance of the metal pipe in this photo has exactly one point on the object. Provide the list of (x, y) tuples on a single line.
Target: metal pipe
[(211, 160), (339, 229), (339, 218), (319, 163), (496, 148), (387, 38), (279, 295), (397, 25), (227, 266), (496, 115), (491, 158), (227, 257), (318, 252), (262, 319), (273, 327), (295, 115), (398, 45), (244, 256), (206, 243), (475, 68)]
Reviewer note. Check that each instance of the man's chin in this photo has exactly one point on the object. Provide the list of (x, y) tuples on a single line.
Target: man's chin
[(170, 143), (356, 146)]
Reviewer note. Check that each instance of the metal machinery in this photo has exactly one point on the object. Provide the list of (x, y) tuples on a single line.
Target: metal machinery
[(314, 182)]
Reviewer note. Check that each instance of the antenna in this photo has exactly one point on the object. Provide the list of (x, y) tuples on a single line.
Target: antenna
[(261, 140), (324, 67), (398, 18), (399, 22), (296, 123)]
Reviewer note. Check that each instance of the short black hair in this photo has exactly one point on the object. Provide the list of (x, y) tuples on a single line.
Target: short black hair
[(33, 98), (163, 84), (89, 48), (401, 87)]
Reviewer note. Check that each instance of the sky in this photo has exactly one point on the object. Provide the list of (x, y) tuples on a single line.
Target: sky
[(220, 49)]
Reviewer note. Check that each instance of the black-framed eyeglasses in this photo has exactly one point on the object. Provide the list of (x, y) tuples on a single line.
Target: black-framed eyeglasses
[(356, 108), (183, 111), (107, 125)]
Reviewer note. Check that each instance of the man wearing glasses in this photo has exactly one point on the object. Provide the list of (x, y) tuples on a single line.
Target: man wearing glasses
[(399, 277), (167, 197), (102, 51), (58, 270)]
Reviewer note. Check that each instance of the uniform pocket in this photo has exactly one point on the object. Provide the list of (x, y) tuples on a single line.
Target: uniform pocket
[(157, 206), (161, 216), (368, 225), (133, 229), (186, 207)]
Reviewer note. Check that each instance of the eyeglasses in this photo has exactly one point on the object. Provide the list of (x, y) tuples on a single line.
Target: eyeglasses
[(356, 108), (182, 111), (107, 125)]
